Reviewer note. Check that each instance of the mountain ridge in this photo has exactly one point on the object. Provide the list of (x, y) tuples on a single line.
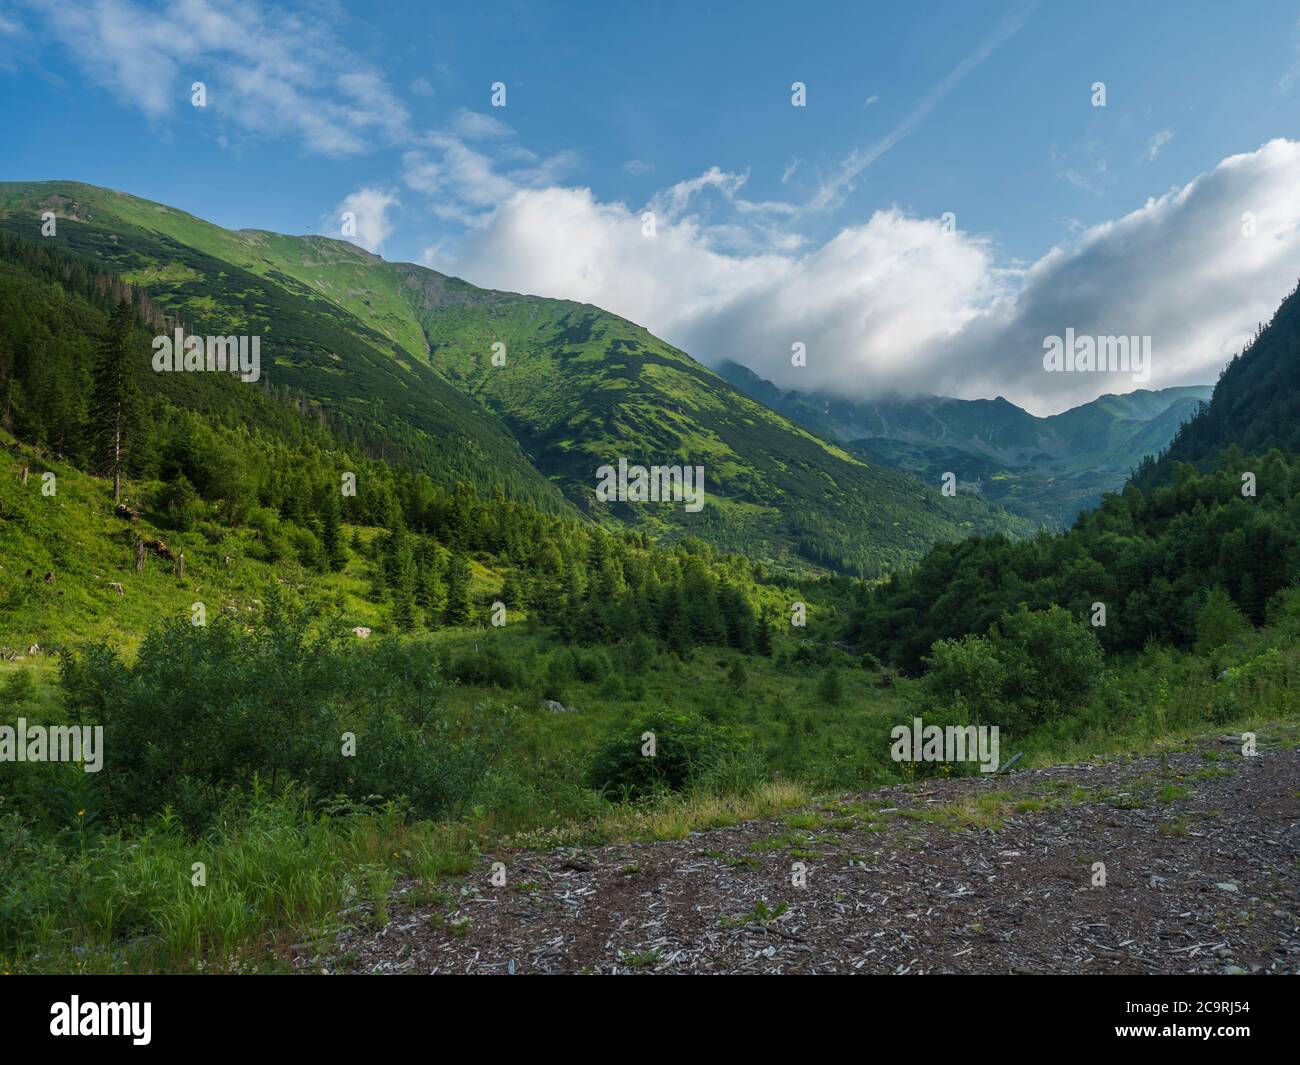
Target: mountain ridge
[(1044, 468)]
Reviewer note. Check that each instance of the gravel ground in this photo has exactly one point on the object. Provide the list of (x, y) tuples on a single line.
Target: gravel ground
[(1202, 865)]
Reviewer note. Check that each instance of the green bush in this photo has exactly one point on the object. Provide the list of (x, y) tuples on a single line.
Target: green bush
[(207, 709), (830, 688), (1219, 623), (1033, 667), (686, 748), (487, 668)]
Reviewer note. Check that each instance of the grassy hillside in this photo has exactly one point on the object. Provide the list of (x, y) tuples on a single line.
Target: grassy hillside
[(366, 388), (582, 388), (393, 350)]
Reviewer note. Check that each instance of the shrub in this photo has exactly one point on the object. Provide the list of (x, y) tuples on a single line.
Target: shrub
[(830, 689), (1219, 622), (179, 504), (591, 667), (686, 748), (486, 669), (1033, 667), (206, 710)]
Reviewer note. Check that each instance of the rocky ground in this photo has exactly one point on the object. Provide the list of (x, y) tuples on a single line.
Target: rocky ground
[(1201, 855)]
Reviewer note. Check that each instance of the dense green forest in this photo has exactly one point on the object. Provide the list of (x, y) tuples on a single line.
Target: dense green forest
[(227, 455), (1151, 560)]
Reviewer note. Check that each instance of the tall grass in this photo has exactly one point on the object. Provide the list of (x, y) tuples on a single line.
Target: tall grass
[(270, 875)]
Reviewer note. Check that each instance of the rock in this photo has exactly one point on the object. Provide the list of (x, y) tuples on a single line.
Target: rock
[(361, 632), (1226, 887)]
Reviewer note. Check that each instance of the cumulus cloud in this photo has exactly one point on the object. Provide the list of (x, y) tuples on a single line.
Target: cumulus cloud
[(367, 211), (898, 303)]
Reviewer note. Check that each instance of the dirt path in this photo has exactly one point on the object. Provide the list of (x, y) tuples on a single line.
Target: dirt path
[(1202, 875)]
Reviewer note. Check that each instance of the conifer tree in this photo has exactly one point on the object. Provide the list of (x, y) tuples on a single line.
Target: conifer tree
[(336, 554), (457, 610), (114, 398)]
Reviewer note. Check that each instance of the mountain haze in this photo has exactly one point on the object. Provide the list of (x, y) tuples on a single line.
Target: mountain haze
[(1045, 469)]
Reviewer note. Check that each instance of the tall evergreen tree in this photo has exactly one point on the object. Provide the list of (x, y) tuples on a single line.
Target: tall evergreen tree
[(336, 554), (763, 634), (456, 612), (114, 398)]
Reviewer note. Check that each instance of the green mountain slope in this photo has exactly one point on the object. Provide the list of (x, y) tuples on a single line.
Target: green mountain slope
[(1256, 404), (1046, 469), (403, 354), (370, 390), (582, 388)]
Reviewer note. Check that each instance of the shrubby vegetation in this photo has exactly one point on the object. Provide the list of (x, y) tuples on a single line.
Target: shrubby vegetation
[(1030, 669), (686, 748), (1151, 559)]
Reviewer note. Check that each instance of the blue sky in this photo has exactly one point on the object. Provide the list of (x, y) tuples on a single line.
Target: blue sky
[(830, 210)]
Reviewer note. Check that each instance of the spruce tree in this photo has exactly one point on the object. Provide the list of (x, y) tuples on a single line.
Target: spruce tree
[(457, 610), (763, 634), (336, 554), (114, 412)]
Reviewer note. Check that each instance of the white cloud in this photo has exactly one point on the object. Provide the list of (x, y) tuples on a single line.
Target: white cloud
[(369, 208), (269, 71), (897, 303), (465, 181), (1156, 143)]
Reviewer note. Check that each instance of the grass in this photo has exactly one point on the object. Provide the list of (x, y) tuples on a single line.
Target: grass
[(269, 876), (967, 812)]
